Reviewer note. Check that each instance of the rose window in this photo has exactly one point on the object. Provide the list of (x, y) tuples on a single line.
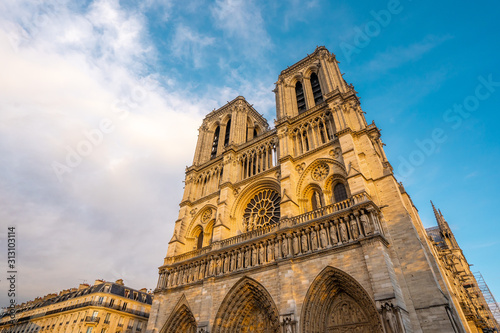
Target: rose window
[(207, 214), (320, 172), (262, 210)]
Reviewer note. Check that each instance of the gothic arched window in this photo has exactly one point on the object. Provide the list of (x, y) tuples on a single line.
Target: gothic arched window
[(215, 142), (301, 101), (316, 88), (339, 192), (199, 241), (228, 131)]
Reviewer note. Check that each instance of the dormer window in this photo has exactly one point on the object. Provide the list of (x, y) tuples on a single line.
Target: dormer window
[(301, 101)]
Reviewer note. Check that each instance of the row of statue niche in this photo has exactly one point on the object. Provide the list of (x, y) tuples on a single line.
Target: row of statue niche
[(312, 238), (251, 222)]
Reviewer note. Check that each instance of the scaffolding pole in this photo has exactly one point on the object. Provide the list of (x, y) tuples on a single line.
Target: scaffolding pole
[(488, 296)]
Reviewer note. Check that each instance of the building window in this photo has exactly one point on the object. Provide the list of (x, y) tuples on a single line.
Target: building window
[(199, 243), (106, 288), (111, 302), (94, 315), (299, 93), (89, 329), (124, 306), (127, 292), (215, 142), (106, 319), (100, 300), (316, 88), (228, 131), (339, 192)]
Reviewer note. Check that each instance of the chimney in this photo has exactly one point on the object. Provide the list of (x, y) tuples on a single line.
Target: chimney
[(83, 286), (98, 281), (144, 290), (120, 282)]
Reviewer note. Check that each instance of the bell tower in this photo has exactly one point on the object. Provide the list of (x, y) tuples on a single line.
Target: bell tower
[(305, 220)]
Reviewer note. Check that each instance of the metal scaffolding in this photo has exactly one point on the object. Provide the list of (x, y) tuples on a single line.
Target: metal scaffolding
[(488, 296)]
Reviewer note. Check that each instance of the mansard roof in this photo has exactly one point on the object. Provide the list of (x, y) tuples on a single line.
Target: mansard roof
[(114, 289)]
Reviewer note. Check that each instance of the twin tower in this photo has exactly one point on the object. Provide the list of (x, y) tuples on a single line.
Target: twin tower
[(300, 228)]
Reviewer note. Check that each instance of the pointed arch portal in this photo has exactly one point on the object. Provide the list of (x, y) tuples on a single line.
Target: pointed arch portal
[(181, 320), (247, 308), (336, 303)]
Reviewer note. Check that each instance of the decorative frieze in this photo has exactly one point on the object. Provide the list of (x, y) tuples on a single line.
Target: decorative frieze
[(332, 226)]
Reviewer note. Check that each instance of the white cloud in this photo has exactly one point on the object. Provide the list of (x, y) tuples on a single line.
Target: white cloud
[(112, 215), (396, 56), (190, 45), (242, 21)]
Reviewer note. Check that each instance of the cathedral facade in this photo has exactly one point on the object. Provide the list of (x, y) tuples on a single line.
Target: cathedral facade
[(299, 228)]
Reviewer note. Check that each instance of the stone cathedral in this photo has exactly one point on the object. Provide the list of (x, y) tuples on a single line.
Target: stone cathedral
[(300, 228)]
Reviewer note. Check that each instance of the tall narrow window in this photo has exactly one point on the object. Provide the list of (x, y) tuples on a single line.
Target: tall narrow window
[(339, 192), (228, 131), (215, 143), (255, 132), (301, 101), (316, 88), (199, 244)]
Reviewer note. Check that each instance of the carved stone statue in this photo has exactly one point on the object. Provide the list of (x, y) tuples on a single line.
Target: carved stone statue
[(295, 244), (367, 226), (285, 245), (343, 231), (354, 228), (323, 237), (233, 262), (270, 251), (305, 247), (390, 319), (226, 263), (247, 257), (314, 240), (254, 256), (333, 234)]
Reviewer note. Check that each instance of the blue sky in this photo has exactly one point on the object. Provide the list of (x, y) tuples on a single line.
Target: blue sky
[(128, 84)]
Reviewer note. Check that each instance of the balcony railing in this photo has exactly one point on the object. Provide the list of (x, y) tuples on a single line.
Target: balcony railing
[(89, 319), (329, 227), (284, 223), (81, 305)]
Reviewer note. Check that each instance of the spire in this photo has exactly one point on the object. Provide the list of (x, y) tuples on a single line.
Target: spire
[(439, 217)]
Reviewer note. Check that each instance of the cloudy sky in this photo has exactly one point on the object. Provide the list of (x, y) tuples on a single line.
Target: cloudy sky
[(100, 104)]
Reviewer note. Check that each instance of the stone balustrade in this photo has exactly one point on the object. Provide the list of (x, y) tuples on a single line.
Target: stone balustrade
[(325, 228)]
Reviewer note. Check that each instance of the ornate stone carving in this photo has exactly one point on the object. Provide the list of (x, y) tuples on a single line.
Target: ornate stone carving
[(263, 209), (207, 214), (391, 318), (320, 172), (300, 168)]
